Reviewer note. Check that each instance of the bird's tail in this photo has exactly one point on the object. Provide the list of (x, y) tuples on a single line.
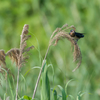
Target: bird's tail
[(79, 35)]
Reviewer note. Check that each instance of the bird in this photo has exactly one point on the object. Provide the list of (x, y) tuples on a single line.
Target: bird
[(75, 35)]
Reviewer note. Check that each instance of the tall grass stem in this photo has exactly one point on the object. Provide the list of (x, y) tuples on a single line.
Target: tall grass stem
[(40, 73)]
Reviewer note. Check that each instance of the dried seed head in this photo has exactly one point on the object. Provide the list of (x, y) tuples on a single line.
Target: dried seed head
[(77, 56), (28, 49), (23, 50), (20, 55), (61, 33), (2, 59), (3, 68), (14, 54)]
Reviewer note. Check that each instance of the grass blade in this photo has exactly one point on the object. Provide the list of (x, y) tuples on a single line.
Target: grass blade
[(67, 85), (63, 93), (54, 94), (45, 91)]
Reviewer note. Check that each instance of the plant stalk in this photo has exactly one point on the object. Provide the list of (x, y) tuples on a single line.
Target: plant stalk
[(40, 73), (17, 84)]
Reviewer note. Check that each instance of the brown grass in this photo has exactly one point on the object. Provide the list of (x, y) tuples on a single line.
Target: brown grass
[(2, 58), (21, 55), (13, 55), (61, 33)]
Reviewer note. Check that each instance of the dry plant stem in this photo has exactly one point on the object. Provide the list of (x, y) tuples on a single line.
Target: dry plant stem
[(20, 56), (17, 84), (40, 73), (17, 81)]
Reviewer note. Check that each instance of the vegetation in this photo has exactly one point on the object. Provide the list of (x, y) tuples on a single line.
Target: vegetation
[(43, 17)]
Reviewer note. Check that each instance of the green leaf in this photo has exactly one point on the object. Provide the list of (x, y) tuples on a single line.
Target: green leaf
[(45, 91), (54, 94), (79, 95), (36, 67), (72, 98), (52, 70), (67, 85), (44, 65), (25, 97), (63, 93)]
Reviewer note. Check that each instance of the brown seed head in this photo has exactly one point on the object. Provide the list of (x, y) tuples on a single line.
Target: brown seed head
[(61, 33)]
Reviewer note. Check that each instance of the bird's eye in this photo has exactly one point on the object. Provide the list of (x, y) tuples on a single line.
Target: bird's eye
[(72, 31)]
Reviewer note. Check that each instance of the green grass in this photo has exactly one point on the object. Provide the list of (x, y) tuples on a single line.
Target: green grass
[(84, 15), (52, 94)]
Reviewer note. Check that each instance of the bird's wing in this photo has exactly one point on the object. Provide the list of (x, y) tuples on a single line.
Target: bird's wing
[(79, 35)]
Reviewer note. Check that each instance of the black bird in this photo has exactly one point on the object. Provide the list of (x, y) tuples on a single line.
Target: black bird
[(75, 35)]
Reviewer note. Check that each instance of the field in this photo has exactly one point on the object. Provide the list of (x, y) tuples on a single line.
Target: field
[(57, 81)]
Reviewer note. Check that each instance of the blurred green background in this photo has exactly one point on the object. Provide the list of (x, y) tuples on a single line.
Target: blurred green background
[(43, 17)]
